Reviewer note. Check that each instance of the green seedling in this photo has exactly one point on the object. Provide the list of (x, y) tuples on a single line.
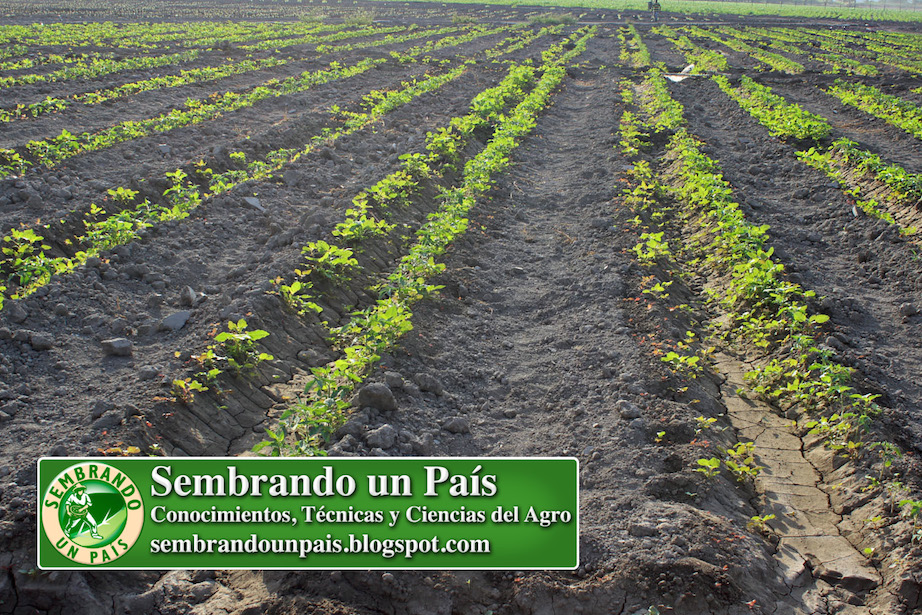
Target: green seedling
[(759, 523), (709, 467), (740, 460), (913, 511), (239, 346), (651, 247), (658, 290), (703, 424), (25, 255), (894, 489), (888, 453), (122, 195), (331, 262), (184, 390), (295, 295)]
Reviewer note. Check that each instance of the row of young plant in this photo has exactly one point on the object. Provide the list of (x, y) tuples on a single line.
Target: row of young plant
[(305, 33), (762, 39), (340, 33), (97, 67), (773, 111), (774, 60), (843, 415), (148, 35), (526, 38), (444, 146), (450, 41), (757, 307), (833, 53), (303, 428), (282, 34), (850, 45), (656, 112), (835, 165), (24, 254), (327, 262), (372, 208), (892, 109), (634, 52), (101, 66), (909, 40), (51, 104), (50, 152), (335, 264), (29, 268), (389, 39), (783, 41), (808, 46), (213, 73), (10, 51), (843, 160), (704, 60), (44, 59)]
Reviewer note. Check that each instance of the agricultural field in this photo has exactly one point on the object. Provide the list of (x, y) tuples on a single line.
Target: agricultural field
[(688, 253)]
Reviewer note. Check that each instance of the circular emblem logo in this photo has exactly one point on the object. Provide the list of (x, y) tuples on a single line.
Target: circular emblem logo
[(92, 513)]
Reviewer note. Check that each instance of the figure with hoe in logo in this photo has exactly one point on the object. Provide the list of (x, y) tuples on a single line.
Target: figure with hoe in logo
[(655, 7), (78, 509)]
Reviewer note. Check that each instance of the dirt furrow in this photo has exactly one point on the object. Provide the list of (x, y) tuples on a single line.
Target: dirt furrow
[(891, 143), (149, 104), (228, 251), (287, 121), (813, 553), (827, 249)]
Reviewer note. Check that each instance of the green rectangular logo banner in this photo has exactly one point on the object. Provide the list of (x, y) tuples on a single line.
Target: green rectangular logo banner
[(409, 513)]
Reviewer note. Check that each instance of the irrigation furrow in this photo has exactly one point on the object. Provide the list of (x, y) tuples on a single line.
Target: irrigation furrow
[(876, 134), (51, 151), (810, 541), (752, 303), (829, 248), (274, 161), (195, 75), (233, 269)]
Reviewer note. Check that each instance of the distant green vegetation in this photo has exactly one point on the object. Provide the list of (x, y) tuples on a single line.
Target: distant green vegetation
[(734, 8)]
